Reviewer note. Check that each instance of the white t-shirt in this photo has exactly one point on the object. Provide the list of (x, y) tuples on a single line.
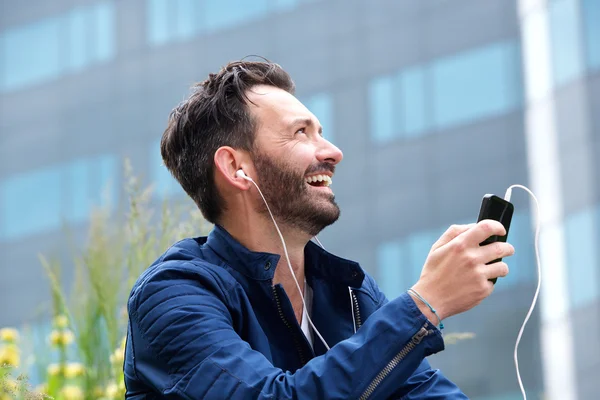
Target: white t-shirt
[(306, 328)]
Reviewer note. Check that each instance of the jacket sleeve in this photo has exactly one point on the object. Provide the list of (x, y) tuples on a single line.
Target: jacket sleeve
[(425, 383), (184, 346)]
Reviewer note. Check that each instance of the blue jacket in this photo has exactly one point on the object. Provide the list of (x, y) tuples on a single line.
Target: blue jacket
[(206, 322)]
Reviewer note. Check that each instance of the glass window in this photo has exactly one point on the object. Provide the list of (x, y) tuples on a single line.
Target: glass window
[(44, 50), (321, 105), (106, 179), (522, 264), (591, 16), (476, 84), (418, 246), (77, 201), (103, 31), (221, 14), (390, 264), (412, 111), (158, 21), (285, 5), (77, 27), (581, 239), (40, 62), (188, 17), (42, 200), (161, 178), (381, 109), (31, 202), (567, 60)]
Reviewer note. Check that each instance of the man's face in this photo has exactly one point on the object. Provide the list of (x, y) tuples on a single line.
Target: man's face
[(293, 162)]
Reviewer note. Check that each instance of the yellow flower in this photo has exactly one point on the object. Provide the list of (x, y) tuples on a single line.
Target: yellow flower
[(61, 321), (64, 338), (10, 385), (10, 335), (54, 369), (112, 391), (73, 370), (9, 354), (71, 392)]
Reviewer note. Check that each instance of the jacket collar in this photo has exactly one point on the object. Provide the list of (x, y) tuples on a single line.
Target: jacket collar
[(318, 262)]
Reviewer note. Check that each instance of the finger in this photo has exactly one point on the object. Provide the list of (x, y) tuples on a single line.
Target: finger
[(483, 230), (495, 270), (494, 251), (451, 233)]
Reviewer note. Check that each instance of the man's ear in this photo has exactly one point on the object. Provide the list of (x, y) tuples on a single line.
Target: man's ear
[(227, 162)]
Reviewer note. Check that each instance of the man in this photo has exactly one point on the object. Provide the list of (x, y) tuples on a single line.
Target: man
[(223, 317)]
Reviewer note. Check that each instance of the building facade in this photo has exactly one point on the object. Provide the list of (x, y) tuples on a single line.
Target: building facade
[(433, 103)]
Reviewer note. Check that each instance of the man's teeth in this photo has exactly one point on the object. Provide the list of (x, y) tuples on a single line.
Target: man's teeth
[(319, 178)]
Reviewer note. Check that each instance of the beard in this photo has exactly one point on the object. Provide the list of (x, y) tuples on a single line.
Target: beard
[(289, 197)]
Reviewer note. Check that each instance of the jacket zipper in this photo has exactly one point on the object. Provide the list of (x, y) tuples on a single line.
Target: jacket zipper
[(357, 319), (289, 326), (414, 341)]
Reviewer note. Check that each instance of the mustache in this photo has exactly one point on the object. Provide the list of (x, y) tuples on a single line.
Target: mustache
[(320, 167)]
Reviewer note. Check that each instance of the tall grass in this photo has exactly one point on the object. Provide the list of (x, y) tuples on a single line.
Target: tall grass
[(119, 246)]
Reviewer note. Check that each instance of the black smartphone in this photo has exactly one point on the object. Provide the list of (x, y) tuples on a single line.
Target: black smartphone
[(496, 208)]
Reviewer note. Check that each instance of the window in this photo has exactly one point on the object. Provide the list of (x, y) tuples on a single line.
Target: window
[(390, 264), (158, 21), (90, 183), (567, 58), (171, 20), (221, 14), (161, 178), (31, 202), (381, 103), (321, 105), (42, 200), (46, 49), (471, 85), (476, 84), (418, 245), (591, 16), (522, 264), (581, 240), (285, 5), (413, 105), (39, 62)]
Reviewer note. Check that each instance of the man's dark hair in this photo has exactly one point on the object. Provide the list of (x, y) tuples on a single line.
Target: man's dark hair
[(215, 114)]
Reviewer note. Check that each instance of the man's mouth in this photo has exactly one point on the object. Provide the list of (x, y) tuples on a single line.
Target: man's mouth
[(319, 180)]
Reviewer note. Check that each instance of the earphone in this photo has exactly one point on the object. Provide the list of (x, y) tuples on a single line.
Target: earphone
[(241, 174)]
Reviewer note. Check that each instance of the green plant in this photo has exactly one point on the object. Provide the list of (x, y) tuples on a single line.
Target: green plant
[(91, 318)]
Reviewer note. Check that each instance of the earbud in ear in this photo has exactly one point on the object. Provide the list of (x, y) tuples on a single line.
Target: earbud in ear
[(241, 174)]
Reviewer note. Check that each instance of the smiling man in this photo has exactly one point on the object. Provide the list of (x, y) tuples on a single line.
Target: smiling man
[(247, 314)]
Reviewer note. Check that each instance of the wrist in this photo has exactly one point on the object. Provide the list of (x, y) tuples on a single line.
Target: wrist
[(432, 299), (426, 308)]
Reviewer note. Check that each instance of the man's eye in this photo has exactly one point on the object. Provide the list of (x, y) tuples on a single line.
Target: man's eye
[(301, 130)]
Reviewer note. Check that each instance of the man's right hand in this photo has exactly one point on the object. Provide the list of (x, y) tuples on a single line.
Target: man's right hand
[(455, 277)]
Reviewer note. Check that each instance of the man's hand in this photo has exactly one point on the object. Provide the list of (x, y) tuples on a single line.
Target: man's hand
[(455, 277)]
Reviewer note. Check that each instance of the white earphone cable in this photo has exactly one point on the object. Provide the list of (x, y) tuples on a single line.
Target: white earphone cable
[(288, 261), (537, 290)]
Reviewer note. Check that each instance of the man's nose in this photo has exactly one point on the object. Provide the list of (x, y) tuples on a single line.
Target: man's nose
[(329, 152)]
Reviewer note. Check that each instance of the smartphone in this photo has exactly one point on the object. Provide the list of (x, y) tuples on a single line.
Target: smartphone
[(496, 208)]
